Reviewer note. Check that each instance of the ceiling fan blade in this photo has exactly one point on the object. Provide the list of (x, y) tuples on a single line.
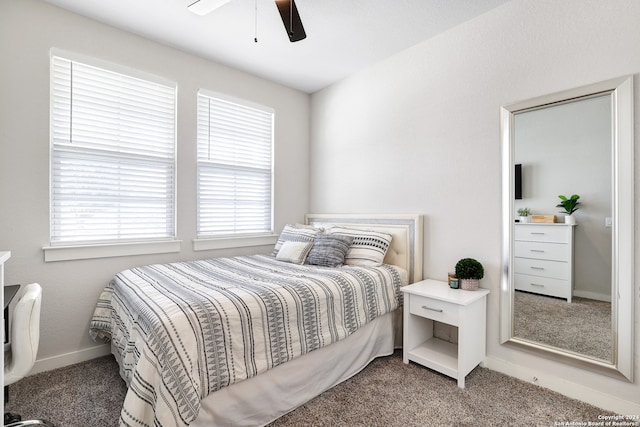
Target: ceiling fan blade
[(291, 20)]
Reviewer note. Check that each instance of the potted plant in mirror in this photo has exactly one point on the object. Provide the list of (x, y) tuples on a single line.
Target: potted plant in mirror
[(523, 213), (469, 271), (569, 205)]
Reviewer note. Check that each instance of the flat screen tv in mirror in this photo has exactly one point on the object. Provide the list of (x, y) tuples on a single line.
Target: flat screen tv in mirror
[(518, 181)]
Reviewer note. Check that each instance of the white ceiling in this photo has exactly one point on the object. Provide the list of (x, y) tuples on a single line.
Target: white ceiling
[(343, 36)]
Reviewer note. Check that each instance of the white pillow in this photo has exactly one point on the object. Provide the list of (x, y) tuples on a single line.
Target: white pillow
[(294, 252), (368, 248)]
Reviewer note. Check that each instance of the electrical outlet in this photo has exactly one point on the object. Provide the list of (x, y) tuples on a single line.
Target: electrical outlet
[(608, 222)]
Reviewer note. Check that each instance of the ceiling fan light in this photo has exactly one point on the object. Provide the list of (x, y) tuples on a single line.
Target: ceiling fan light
[(204, 7)]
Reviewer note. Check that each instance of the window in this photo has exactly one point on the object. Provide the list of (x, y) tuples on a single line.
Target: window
[(235, 145), (112, 154)]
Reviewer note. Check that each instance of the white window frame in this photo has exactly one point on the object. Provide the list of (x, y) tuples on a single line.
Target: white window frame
[(229, 238), (68, 249)]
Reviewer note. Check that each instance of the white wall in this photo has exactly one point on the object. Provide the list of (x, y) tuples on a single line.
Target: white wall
[(419, 132), (28, 30)]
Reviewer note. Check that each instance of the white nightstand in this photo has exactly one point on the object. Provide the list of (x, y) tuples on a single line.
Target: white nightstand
[(431, 300)]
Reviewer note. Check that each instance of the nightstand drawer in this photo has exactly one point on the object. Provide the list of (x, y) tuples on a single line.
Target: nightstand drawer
[(434, 309)]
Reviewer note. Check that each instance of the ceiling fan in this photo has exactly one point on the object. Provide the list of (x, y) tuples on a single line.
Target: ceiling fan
[(287, 9)]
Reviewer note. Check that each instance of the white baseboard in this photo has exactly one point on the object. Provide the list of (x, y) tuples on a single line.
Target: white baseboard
[(50, 363), (565, 387), (592, 295)]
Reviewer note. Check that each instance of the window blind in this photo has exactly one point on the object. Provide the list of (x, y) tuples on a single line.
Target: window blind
[(235, 145), (113, 155)]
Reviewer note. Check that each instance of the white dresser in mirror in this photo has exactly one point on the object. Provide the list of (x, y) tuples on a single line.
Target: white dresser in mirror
[(543, 259)]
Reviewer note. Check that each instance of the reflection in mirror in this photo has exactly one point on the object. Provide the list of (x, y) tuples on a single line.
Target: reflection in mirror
[(565, 148), (568, 282)]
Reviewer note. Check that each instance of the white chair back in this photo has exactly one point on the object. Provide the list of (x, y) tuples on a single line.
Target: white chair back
[(25, 335)]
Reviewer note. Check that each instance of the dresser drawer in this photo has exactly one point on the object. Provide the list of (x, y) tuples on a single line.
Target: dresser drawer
[(440, 311), (543, 250), (542, 233), (543, 285), (542, 268)]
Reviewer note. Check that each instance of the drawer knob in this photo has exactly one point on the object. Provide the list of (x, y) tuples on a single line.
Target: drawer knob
[(537, 250), (538, 232), (538, 285), (537, 268), (439, 310)]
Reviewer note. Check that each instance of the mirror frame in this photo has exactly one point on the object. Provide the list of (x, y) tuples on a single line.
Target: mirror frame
[(622, 295)]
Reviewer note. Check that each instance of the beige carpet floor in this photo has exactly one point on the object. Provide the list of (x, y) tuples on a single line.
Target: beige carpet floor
[(386, 393)]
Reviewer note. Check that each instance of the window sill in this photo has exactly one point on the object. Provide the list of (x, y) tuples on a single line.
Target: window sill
[(76, 252), (234, 242)]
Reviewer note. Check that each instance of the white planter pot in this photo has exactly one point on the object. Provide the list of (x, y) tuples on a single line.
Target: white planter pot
[(469, 284), (569, 219)]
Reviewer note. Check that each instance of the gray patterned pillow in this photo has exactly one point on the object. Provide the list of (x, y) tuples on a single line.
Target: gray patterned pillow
[(329, 250), (295, 234)]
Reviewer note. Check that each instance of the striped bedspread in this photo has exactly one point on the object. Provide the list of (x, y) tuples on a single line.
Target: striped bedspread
[(182, 331)]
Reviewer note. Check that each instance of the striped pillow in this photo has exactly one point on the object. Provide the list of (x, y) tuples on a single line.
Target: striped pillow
[(329, 250), (295, 234), (368, 248)]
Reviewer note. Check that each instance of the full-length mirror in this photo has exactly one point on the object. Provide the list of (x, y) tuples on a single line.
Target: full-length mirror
[(567, 287)]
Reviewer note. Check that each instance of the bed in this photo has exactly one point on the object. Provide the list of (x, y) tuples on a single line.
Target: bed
[(244, 340)]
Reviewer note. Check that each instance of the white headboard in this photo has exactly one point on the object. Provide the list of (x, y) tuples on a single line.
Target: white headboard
[(406, 244)]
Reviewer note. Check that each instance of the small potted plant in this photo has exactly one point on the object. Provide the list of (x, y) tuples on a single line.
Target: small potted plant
[(469, 271), (569, 205), (523, 213)]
